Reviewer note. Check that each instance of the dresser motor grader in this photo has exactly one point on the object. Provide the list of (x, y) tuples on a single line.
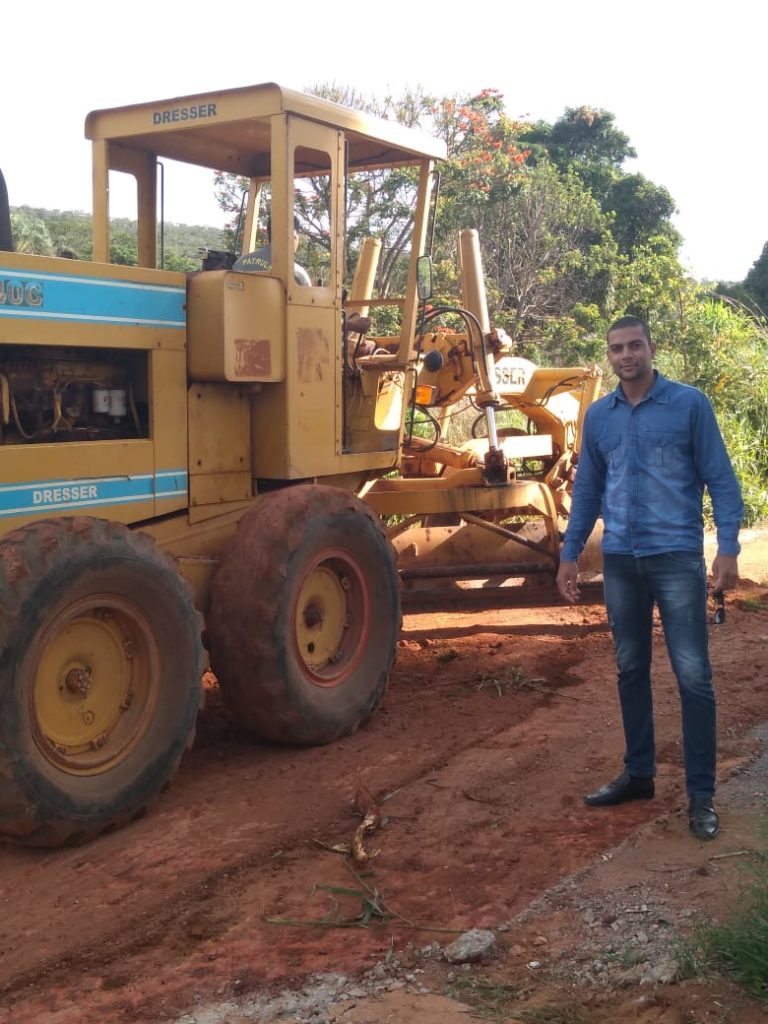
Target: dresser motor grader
[(224, 469)]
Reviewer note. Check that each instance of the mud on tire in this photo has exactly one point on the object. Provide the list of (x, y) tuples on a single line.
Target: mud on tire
[(100, 677), (304, 616)]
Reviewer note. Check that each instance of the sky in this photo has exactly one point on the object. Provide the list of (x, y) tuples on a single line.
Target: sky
[(685, 81)]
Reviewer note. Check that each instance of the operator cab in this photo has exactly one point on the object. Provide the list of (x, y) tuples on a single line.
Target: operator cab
[(298, 156)]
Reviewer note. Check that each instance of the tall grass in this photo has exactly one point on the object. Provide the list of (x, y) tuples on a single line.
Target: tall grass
[(739, 948)]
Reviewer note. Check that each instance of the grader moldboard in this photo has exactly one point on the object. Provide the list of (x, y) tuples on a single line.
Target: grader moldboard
[(213, 459)]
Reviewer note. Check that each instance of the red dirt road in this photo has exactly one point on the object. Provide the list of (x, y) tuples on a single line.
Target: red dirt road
[(494, 725)]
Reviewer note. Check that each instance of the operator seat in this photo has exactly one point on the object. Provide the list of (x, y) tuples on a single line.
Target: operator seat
[(6, 237)]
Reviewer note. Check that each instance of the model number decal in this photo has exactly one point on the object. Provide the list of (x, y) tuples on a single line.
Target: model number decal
[(20, 293), (510, 375)]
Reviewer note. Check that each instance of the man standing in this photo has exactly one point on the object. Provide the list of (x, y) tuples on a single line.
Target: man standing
[(649, 449)]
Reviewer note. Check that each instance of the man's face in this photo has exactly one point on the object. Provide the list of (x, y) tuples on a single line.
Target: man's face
[(630, 354)]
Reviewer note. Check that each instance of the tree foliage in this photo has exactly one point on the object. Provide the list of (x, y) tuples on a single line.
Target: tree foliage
[(30, 233), (550, 249), (641, 212), (57, 232), (484, 158), (756, 281), (584, 137), (585, 141)]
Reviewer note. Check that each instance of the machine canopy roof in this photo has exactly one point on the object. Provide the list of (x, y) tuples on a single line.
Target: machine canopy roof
[(230, 130)]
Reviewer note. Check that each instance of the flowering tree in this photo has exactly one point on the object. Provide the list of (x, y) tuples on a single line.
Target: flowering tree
[(484, 155)]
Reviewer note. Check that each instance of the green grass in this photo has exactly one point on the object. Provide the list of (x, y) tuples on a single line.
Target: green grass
[(496, 1001), (490, 999), (739, 947)]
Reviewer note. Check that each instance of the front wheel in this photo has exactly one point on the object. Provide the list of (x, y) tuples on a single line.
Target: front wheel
[(305, 615)]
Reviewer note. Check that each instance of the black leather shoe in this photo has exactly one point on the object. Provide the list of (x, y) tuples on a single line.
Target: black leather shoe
[(626, 787), (702, 817)]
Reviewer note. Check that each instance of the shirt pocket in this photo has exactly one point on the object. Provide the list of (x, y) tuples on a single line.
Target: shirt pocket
[(610, 448), (667, 448)]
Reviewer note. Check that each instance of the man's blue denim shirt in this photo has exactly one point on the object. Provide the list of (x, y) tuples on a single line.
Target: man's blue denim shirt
[(645, 467)]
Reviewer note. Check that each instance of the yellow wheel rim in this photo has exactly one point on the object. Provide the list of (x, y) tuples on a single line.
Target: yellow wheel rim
[(332, 618), (94, 683)]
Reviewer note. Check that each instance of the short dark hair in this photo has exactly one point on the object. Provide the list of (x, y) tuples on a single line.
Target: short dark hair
[(630, 321), (296, 226)]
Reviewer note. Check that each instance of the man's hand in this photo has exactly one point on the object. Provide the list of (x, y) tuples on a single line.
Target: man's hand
[(567, 581), (725, 573)]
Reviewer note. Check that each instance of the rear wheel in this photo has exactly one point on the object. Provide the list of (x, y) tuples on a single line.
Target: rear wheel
[(99, 677), (305, 615)]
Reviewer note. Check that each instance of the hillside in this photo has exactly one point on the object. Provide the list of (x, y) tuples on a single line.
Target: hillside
[(69, 231)]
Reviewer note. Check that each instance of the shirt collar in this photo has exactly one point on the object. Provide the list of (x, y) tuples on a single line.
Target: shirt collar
[(658, 392)]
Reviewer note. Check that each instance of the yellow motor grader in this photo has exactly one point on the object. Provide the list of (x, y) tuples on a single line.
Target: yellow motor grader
[(220, 468)]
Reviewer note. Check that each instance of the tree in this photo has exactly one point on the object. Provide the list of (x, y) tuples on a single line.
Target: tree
[(30, 233), (756, 281), (641, 211), (230, 191), (485, 160), (550, 250), (586, 141), (484, 155), (70, 232), (650, 282), (123, 248), (380, 204)]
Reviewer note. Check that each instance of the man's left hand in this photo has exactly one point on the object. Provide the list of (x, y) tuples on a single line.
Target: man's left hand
[(725, 573)]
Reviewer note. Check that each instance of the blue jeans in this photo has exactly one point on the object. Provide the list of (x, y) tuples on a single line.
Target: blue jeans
[(677, 583)]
